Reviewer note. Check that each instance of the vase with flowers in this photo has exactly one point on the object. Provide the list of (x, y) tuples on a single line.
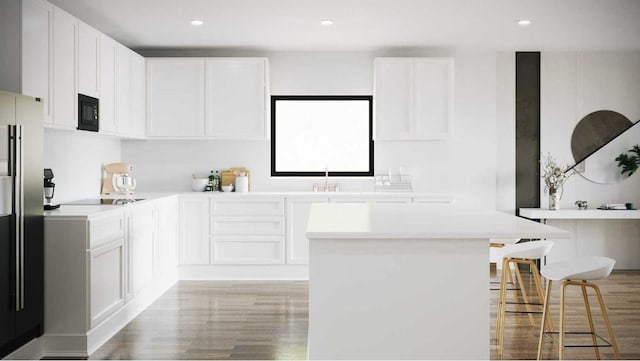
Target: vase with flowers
[(554, 179)]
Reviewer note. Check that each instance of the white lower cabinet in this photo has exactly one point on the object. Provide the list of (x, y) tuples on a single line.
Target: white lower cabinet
[(194, 230), (142, 242), (102, 269), (107, 270), (167, 257), (297, 213), (247, 230)]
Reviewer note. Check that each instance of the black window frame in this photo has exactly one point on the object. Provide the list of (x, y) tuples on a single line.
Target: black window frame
[(275, 98)]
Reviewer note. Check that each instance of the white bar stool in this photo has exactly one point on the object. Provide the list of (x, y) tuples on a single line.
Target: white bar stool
[(499, 244), (516, 254), (577, 272)]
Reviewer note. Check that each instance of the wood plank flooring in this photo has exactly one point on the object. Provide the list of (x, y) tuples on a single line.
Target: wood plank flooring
[(269, 320)]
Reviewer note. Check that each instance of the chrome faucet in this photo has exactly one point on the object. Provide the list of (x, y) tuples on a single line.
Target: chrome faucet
[(326, 179), (327, 187)]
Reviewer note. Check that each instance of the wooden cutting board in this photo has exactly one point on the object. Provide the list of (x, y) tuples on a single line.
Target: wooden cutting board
[(228, 176)]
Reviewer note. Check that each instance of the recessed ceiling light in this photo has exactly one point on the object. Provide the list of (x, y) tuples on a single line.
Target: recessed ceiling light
[(524, 22), (197, 22), (327, 22)]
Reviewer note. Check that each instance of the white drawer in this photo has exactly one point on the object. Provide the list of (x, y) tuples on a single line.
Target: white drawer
[(372, 200), (106, 228), (434, 199), (247, 225), (247, 250), (248, 207)]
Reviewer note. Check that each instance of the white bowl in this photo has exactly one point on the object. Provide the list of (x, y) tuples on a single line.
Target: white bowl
[(227, 188), (199, 185)]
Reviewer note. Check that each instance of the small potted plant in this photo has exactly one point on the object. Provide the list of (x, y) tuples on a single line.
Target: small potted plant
[(629, 163)]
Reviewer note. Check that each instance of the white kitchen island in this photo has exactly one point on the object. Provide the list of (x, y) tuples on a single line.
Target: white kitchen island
[(404, 281)]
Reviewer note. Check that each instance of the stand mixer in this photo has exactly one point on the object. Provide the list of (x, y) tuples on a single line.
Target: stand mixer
[(116, 179)]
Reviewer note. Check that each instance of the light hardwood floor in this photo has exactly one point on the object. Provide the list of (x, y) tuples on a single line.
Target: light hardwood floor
[(268, 320)]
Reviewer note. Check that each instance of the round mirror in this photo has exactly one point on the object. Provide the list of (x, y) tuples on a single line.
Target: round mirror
[(597, 140)]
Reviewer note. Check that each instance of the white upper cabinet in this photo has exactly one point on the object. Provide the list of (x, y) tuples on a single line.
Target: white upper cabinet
[(123, 90), (235, 98), (137, 95), (88, 50), (175, 97), (37, 24), (413, 98), (393, 97), (65, 46), (222, 98), (107, 76)]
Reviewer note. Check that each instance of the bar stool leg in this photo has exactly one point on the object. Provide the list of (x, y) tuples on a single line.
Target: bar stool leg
[(562, 323), (545, 314), (590, 319), (523, 292), (538, 282), (501, 308), (605, 316)]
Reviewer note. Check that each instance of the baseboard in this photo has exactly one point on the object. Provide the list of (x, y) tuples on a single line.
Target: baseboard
[(243, 272), (32, 350)]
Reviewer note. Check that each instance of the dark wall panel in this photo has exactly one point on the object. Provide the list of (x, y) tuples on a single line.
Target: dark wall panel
[(527, 130)]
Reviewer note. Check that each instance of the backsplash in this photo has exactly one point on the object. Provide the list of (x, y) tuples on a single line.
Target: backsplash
[(76, 159)]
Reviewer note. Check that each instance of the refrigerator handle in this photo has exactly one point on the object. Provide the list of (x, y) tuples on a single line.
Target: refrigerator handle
[(16, 171), (15, 204), (20, 215)]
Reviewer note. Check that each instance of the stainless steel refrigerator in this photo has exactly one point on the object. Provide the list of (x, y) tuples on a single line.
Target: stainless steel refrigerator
[(21, 221)]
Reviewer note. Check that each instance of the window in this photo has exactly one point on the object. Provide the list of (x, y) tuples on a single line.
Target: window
[(312, 133)]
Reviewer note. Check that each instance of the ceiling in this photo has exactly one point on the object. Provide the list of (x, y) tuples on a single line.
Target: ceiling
[(359, 25)]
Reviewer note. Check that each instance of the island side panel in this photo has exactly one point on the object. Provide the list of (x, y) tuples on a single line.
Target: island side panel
[(399, 299)]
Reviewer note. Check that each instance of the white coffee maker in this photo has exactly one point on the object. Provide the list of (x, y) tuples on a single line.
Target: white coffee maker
[(117, 180)]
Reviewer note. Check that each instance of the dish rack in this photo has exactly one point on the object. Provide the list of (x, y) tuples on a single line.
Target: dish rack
[(389, 182)]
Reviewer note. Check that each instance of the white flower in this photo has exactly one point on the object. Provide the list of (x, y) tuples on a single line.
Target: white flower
[(554, 175)]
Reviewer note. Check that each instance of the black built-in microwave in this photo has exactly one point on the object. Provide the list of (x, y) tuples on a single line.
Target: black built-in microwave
[(88, 113)]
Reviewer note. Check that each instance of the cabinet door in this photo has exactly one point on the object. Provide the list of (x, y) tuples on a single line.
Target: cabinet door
[(107, 65), (393, 98), (37, 27), (235, 98), (296, 238), (175, 97), (433, 98), (88, 49), (143, 226), (123, 90), (194, 230), (65, 98), (107, 280), (167, 235), (137, 95)]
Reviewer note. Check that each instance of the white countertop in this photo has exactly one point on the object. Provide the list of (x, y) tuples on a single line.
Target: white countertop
[(416, 221), (541, 213), (68, 210), (83, 211)]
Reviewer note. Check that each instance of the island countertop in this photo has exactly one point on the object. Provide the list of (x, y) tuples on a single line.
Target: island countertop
[(404, 281), (416, 221)]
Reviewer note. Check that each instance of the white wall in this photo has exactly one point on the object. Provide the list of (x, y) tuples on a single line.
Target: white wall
[(76, 159), (464, 166), (574, 84)]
